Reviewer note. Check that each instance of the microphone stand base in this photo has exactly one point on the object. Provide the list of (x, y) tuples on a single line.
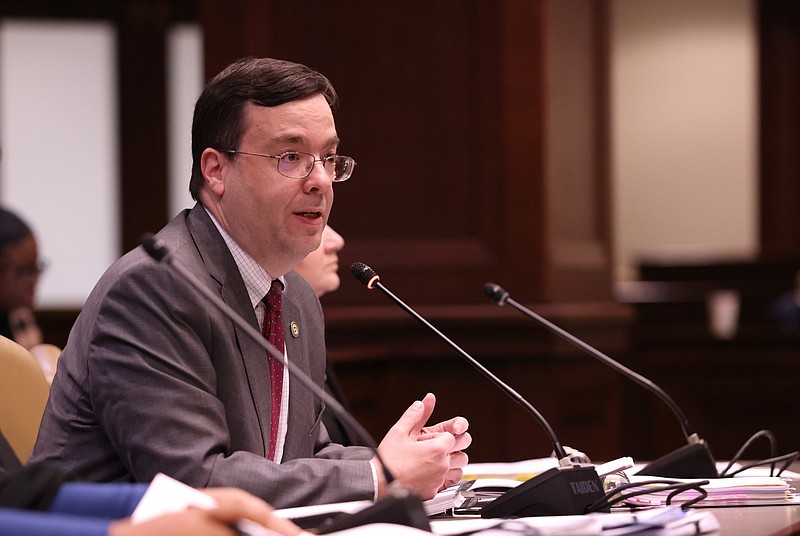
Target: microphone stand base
[(556, 492), (689, 461), (404, 510)]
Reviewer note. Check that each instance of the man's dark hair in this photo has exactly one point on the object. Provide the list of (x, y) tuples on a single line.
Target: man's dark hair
[(218, 115), (12, 229)]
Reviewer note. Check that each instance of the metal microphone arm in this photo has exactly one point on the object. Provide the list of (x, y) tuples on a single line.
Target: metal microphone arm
[(569, 489), (693, 460)]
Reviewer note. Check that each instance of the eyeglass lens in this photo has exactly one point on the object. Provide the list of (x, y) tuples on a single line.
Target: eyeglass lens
[(299, 165)]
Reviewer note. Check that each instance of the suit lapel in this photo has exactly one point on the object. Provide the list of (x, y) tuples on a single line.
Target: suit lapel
[(222, 268), (301, 401)]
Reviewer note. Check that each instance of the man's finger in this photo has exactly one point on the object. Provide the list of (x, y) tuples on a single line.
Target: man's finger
[(458, 459), (455, 426), (413, 420), (463, 441), (409, 420), (428, 403)]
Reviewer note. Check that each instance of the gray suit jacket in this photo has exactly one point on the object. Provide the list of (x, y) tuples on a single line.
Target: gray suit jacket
[(154, 379)]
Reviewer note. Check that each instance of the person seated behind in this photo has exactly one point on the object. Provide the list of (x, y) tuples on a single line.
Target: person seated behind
[(20, 269), (19, 273), (785, 309), (155, 379), (321, 269)]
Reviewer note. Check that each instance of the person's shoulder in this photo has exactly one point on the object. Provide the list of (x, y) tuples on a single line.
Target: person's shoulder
[(298, 287), (302, 295), (138, 264)]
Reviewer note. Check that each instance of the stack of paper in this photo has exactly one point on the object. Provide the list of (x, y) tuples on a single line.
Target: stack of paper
[(740, 490), (447, 499), (468, 496), (521, 470), (663, 521)]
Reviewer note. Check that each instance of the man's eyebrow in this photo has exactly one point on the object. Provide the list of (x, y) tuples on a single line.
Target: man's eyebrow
[(291, 138)]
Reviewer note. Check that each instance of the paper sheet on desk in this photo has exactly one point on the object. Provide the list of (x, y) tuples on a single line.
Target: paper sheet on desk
[(762, 470), (576, 528), (544, 526), (733, 491), (468, 492), (521, 470), (166, 495), (666, 521), (298, 512), (669, 521), (526, 469)]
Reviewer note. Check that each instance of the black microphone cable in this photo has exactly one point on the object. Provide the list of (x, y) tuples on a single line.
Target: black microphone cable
[(646, 487), (773, 460)]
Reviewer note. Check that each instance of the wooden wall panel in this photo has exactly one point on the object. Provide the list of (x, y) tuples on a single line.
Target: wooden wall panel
[(385, 359), (445, 107), (779, 82), (441, 107), (141, 55), (577, 155)]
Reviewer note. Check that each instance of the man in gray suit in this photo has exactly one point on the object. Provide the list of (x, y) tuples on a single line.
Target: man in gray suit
[(153, 379)]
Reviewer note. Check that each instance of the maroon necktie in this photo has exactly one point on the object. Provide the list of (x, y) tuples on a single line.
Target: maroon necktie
[(273, 331)]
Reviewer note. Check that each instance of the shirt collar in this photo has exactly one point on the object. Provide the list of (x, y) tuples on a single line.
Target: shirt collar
[(256, 280)]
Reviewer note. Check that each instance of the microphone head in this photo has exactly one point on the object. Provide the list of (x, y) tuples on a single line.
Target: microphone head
[(496, 293), (153, 246), (573, 457), (365, 274)]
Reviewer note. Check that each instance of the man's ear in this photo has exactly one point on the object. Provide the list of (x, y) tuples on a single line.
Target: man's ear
[(212, 163)]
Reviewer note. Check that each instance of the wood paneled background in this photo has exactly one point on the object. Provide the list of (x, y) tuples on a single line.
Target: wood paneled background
[(451, 109)]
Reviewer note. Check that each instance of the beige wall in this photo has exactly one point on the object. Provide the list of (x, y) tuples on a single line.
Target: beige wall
[(59, 135), (684, 129)]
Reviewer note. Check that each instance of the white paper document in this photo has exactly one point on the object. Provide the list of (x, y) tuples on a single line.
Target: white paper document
[(734, 491), (166, 495)]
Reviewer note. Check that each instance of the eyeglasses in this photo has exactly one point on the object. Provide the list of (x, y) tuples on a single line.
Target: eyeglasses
[(25, 273), (297, 165)]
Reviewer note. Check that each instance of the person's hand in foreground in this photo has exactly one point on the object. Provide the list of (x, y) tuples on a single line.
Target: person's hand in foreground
[(424, 459), (232, 505)]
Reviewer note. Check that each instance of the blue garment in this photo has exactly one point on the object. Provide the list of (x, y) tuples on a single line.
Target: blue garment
[(30, 523), (107, 501), (785, 310), (79, 509)]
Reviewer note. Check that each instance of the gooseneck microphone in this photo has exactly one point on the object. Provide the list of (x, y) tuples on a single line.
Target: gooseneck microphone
[(371, 280), (693, 460), (568, 489), (402, 507)]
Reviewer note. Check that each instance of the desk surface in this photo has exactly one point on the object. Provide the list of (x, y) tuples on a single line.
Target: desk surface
[(781, 520), (758, 520), (733, 521)]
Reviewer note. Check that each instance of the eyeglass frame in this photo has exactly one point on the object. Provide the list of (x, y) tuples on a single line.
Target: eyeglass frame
[(278, 157), (25, 273)]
